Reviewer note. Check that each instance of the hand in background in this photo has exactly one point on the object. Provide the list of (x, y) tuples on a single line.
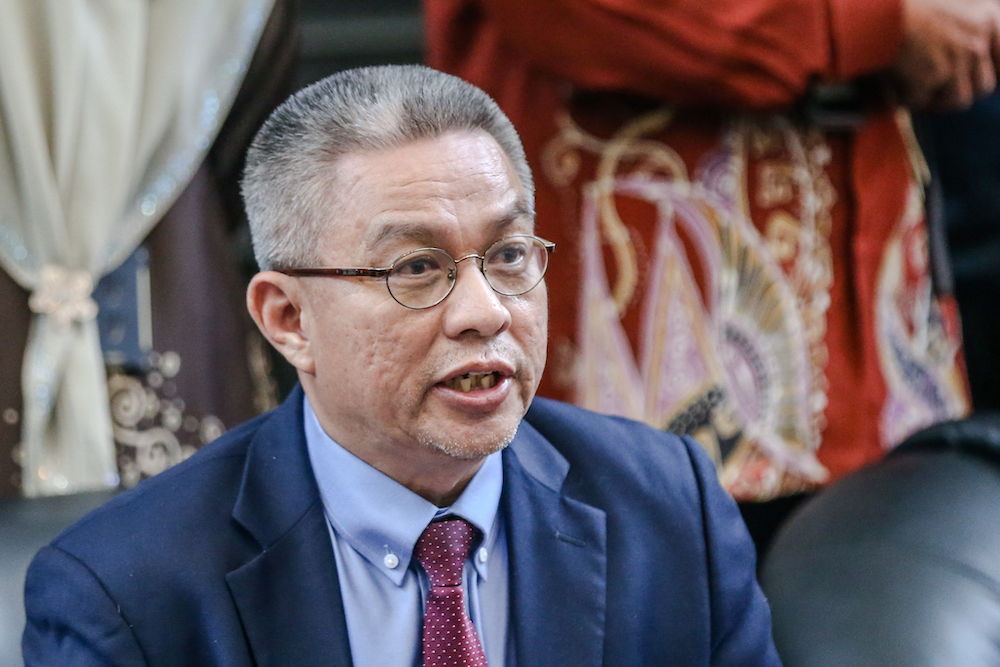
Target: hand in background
[(952, 52)]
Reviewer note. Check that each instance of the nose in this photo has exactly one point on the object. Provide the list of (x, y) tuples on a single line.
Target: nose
[(473, 306)]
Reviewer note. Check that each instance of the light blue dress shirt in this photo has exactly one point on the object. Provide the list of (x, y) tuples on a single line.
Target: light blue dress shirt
[(374, 524)]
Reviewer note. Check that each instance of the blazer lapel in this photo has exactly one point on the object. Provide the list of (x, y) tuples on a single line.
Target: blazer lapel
[(288, 596), (557, 552)]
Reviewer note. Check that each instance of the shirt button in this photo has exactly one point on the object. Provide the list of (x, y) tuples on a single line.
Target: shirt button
[(483, 554), (391, 561)]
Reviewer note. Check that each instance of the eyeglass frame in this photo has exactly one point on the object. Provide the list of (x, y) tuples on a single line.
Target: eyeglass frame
[(384, 272)]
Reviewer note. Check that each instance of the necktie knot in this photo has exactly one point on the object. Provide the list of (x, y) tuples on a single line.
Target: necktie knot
[(442, 550)]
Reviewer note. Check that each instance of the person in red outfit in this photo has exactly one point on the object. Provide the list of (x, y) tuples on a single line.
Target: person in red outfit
[(739, 258)]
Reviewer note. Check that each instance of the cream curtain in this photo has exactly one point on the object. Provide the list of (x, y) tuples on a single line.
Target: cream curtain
[(107, 107)]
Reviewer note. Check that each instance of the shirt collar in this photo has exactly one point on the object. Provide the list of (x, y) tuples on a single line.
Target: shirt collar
[(378, 516)]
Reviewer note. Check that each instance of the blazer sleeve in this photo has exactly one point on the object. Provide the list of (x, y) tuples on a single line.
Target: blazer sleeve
[(75, 623), (749, 53), (741, 618)]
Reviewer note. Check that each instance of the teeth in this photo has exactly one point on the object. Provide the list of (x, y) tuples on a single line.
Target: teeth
[(471, 381)]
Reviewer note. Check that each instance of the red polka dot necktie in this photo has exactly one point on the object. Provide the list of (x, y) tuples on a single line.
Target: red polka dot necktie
[(450, 639)]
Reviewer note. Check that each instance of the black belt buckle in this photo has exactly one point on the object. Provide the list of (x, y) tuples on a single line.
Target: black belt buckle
[(835, 107)]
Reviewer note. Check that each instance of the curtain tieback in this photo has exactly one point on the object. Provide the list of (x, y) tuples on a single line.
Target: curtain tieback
[(65, 295)]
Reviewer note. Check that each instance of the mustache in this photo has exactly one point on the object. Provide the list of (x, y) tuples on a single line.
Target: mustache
[(478, 351)]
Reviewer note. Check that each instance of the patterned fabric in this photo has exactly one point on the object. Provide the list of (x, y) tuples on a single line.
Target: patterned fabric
[(730, 344), (450, 639)]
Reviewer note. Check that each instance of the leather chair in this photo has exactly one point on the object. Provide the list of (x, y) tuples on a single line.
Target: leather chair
[(26, 525), (899, 563)]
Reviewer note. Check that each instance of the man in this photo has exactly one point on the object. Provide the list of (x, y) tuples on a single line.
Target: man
[(392, 215)]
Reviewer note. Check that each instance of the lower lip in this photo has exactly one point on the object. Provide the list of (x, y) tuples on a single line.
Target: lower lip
[(480, 400)]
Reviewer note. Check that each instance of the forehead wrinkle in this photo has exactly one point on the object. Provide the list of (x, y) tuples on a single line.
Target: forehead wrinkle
[(398, 231), (425, 234)]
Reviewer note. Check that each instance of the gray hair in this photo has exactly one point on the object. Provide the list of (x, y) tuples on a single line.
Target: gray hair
[(290, 165)]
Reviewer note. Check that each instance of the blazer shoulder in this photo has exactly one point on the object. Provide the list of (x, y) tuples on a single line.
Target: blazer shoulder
[(604, 448), (570, 428), (194, 493)]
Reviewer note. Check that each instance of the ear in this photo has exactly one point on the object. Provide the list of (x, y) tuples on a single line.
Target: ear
[(275, 302)]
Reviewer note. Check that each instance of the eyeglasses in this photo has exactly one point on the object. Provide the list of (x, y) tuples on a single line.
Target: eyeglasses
[(425, 277)]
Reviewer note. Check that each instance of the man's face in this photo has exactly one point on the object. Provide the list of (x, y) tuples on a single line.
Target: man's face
[(387, 380)]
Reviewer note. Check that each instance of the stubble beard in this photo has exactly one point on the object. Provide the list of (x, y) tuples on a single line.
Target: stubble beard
[(463, 450)]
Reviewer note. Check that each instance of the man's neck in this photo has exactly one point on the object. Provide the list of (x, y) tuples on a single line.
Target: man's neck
[(430, 473)]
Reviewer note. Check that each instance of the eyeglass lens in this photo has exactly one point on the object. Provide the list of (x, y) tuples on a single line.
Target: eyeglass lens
[(424, 277)]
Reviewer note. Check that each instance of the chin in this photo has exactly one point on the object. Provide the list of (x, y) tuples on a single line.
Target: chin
[(474, 447)]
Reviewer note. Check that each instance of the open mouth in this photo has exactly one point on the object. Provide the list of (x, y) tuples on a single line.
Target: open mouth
[(473, 381)]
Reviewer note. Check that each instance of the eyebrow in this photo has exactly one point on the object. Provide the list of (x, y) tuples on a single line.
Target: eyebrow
[(425, 235)]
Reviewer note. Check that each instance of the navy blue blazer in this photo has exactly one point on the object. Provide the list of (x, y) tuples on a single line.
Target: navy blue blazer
[(623, 550)]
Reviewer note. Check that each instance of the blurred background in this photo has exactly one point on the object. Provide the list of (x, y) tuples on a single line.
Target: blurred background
[(351, 33)]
